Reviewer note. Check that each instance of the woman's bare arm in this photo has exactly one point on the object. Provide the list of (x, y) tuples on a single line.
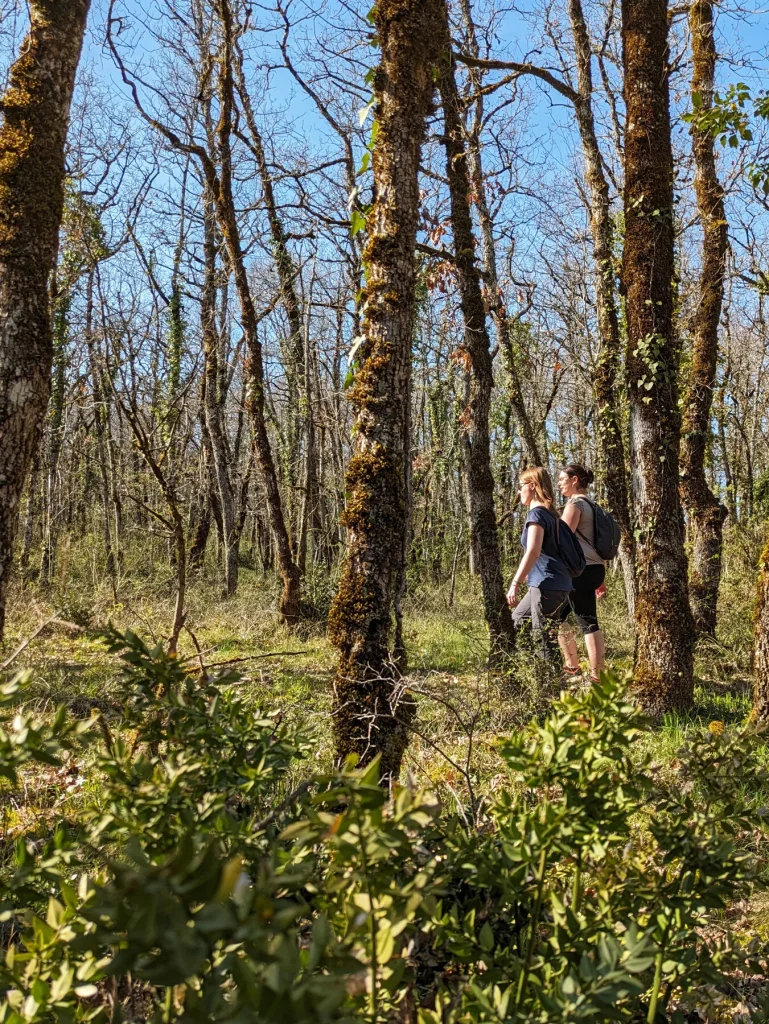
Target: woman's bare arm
[(534, 536), (571, 515)]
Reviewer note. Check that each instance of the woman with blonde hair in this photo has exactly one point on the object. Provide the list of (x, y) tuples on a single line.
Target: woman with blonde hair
[(542, 565)]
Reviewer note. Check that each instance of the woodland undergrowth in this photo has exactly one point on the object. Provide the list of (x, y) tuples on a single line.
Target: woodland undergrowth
[(177, 845)]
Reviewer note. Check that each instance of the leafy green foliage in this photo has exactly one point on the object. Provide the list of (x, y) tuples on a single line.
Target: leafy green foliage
[(196, 888), (730, 119), (22, 739)]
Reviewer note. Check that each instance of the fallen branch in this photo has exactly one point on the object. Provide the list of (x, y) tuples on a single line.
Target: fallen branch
[(252, 657), (22, 647)]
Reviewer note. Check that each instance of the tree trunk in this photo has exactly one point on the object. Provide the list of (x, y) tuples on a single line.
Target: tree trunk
[(35, 108), (213, 401), (200, 527), (29, 519), (505, 327), (761, 652), (228, 225), (288, 275), (101, 426), (54, 440), (480, 481), (611, 447), (706, 513), (310, 522), (664, 627), (368, 718)]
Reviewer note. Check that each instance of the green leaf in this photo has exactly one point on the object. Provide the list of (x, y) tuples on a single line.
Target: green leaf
[(357, 222), (486, 937)]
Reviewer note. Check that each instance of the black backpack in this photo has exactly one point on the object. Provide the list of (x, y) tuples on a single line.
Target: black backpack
[(569, 548), (606, 530)]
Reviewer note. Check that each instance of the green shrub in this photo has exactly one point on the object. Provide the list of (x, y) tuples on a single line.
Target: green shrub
[(198, 886)]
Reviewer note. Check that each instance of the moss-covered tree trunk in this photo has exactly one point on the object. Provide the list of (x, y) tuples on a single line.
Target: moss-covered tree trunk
[(706, 513), (664, 627), (35, 110), (480, 481), (368, 717), (611, 447)]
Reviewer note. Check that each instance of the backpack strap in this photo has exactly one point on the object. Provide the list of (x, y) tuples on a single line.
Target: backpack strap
[(557, 525), (591, 503)]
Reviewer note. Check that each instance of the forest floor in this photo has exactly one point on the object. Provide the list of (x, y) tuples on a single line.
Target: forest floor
[(462, 710)]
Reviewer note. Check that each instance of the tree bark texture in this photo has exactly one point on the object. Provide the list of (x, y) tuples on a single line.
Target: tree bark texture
[(611, 446), (35, 111), (368, 718), (664, 626), (705, 512), (480, 481)]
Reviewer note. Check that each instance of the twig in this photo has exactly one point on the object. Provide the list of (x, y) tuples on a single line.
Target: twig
[(299, 791), (255, 657), (22, 647), (203, 670)]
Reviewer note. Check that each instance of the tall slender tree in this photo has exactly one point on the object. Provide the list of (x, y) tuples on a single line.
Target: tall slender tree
[(480, 482), (761, 651), (705, 512), (531, 434), (35, 109), (664, 627), (611, 447), (367, 719)]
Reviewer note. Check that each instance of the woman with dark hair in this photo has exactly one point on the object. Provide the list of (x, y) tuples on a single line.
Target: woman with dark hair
[(579, 514)]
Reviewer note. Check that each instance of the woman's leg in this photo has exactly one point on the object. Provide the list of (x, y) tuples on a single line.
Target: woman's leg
[(567, 641), (522, 611), (586, 612), (596, 652), (547, 610)]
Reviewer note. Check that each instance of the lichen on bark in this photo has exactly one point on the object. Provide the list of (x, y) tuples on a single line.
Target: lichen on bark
[(371, 713), (705, 512), (664, 627), (35, 110)]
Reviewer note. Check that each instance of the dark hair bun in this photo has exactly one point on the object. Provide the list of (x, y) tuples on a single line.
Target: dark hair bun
[(584, 476)]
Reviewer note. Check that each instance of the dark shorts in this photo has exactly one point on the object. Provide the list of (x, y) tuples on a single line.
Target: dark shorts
[(582, 599)]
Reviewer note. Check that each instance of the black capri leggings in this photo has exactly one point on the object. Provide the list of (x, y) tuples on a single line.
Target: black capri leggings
[(582, 599)]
